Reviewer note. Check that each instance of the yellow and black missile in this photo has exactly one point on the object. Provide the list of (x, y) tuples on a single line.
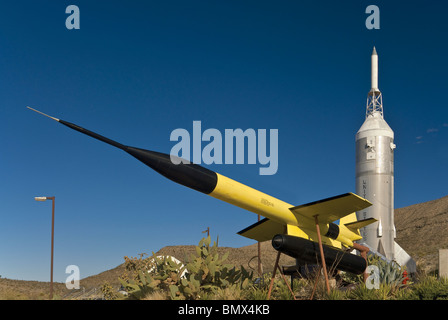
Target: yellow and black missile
[(281, 218)]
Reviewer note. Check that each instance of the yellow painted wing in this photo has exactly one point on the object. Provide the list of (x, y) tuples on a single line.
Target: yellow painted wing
[(263, 230), (332, 209)]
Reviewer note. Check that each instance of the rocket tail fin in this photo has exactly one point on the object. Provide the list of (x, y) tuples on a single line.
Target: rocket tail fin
[(331, 209), (263, 230), (356, 225), (348, 219), (404, 259)]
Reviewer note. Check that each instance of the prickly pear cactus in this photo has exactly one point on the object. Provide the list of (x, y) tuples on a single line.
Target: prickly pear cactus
[(150, 274), (208, 272)]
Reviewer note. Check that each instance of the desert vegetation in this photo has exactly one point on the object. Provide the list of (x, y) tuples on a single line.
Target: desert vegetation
[(207, 276)]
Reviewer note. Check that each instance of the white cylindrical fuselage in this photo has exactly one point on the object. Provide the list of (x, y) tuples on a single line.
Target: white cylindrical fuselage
[(375, 182)]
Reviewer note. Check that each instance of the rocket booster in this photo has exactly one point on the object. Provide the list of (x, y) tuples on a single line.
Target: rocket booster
[(305, 251)]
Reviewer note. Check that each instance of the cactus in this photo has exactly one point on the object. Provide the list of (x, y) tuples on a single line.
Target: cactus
[(150, 274), (108, 291), (390, 272), (207, 272)]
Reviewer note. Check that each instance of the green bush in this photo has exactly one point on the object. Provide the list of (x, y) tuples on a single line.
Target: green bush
[(428, 288), (362, 292)]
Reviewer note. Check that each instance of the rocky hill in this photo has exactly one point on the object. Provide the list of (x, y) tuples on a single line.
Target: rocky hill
[(422, 229)]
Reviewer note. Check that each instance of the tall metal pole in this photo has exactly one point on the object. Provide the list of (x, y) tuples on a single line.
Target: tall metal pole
[(259, 256), (52, 238)]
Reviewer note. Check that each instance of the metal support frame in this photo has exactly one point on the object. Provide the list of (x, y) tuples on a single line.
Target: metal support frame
[(322, 256), (363, 250), (374, 103), (323, 266), (276, 266)]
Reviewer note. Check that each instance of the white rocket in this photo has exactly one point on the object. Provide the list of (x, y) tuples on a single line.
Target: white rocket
[(375, 176)]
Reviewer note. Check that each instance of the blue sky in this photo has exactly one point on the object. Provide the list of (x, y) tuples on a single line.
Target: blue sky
[(137, 70)]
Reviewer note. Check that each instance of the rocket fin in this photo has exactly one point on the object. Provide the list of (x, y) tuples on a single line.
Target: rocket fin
[(404, 259), (356, 225), (266, 229), (348, 219), (263, 230), (332, 209), (381, 248)]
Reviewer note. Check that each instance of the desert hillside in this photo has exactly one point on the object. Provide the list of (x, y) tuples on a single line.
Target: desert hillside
[(422, 229)]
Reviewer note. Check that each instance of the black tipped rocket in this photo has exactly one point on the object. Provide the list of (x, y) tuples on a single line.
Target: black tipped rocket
[(188, 174)]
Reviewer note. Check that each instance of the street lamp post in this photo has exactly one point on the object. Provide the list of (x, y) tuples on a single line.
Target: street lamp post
[(52, 239)]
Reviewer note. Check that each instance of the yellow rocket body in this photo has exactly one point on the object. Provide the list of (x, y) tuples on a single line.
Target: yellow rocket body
[(299, 221), (240, 195)]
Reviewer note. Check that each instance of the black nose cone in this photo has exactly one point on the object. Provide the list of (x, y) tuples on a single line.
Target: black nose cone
[(190, 175)]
